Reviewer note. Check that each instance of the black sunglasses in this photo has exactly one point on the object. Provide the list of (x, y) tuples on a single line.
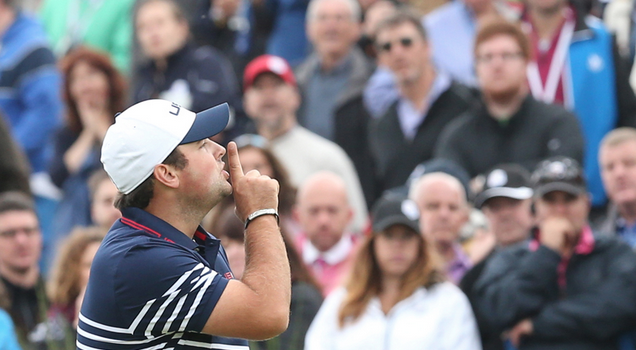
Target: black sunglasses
[(386, 47)]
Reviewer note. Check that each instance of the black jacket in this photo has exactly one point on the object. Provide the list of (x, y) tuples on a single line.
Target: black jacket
[(596, 305), (206, 72), (394, 156), (478, 142)]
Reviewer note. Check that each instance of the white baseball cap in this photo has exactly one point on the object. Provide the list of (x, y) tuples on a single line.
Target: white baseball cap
[(146, 133)]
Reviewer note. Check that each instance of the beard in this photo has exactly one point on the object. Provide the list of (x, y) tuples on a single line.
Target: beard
[(503, 96)]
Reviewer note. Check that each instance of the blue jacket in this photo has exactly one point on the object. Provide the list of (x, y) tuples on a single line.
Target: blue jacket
[(8, 340), (598, 92), (29, 88)]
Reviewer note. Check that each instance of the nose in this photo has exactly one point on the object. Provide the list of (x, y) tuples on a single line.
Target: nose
[(559, 207), (219, 150)]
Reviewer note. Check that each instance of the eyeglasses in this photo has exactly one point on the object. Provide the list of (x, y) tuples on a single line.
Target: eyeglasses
[(505, 56), (28, 231), (386, 47)]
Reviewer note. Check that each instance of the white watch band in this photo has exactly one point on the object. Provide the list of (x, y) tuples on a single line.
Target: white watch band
[(261, 212)]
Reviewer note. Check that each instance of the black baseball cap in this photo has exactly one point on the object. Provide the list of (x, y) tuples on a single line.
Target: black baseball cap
[(559, 174), (506, 180), (392, 209)]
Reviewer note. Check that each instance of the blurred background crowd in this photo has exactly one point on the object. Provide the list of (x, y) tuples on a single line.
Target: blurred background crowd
[(455, 174)]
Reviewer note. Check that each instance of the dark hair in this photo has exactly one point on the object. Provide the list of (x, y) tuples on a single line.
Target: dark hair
[(101, 62), (18, 201), (287, 192), (398, 18), (177, 11), (140, 197), (500, 26), (96, 178)]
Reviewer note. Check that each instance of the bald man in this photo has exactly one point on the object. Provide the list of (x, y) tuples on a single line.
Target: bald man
[(323, 212), (444, 209)]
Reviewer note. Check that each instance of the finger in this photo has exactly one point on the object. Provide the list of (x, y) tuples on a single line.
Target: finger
[(253, 173), (236, 170)]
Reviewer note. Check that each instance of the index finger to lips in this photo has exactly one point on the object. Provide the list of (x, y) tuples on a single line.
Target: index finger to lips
[(236, 170)]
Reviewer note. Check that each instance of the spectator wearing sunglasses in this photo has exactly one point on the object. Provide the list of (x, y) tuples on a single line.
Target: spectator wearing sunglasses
[(510, 125), (428, 100), (565, 288)]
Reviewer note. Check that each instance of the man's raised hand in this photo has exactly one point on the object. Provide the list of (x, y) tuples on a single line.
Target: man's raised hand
[(252, 191)]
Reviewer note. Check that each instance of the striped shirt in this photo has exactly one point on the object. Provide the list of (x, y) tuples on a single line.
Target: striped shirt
[(152, 287)]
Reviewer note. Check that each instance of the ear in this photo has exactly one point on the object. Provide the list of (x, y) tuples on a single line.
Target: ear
[(166, 175)]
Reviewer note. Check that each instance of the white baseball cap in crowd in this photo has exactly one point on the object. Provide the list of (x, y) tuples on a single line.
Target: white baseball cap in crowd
[(146, 133)]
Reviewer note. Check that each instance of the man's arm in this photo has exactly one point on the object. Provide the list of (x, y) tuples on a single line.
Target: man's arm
[(601, 313), (515, 286), (257, 306)]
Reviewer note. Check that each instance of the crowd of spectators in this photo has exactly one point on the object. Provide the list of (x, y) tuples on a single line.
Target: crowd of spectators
[(455, 174)]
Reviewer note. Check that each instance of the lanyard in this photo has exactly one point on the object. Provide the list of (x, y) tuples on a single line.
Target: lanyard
[(547, 92)]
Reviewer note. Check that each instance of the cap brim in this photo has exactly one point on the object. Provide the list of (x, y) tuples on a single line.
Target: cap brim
[(394, 220), (519, 193), (208, 123), (559, 186)]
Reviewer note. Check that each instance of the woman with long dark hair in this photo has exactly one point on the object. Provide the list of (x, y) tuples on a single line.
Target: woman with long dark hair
[(94, 92), (396, 297)]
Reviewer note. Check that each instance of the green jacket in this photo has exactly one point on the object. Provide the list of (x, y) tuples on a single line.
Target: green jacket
[(100, 24)]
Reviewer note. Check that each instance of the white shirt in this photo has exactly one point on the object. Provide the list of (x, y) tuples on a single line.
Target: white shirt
[(439, 318), (410, 117), (337, 254), (303, 153)]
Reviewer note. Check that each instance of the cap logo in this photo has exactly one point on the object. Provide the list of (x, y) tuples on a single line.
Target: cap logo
[(277, 65), (410, 210), (175, 109), (557, 168), (497, 178)]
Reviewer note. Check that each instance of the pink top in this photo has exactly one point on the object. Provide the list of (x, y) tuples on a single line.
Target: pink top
[(329, 267)]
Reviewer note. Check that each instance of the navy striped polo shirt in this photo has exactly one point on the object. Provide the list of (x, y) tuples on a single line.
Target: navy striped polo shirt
[(152, 287)]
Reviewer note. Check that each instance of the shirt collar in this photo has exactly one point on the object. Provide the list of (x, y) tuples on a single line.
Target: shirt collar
[(461, 260), (586, 242), (333, 256), (143, 220)]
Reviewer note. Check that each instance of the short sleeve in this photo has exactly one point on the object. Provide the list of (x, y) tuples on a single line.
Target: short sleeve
[(164, 287)]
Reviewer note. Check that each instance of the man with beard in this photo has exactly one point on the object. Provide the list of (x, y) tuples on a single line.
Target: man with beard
[(510, 126), (159, 280), (20, 276)]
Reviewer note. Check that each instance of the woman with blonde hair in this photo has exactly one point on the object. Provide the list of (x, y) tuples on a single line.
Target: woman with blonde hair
[(396, 297), (71, 271)]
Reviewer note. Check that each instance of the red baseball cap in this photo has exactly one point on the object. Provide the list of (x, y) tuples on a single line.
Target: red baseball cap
[(268, 64)]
